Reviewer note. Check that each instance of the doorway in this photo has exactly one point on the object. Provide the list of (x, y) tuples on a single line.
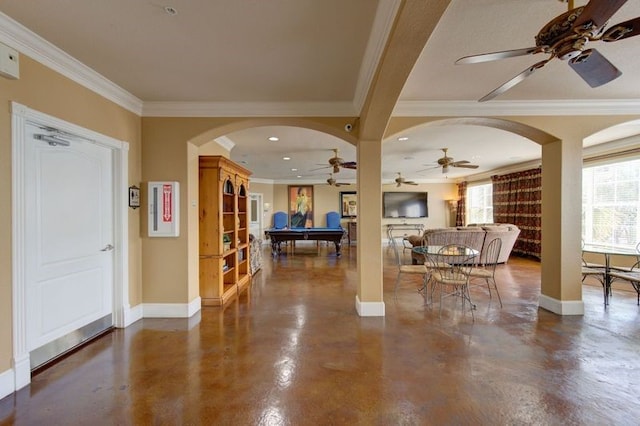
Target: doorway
[(70, 241), (255, 215)]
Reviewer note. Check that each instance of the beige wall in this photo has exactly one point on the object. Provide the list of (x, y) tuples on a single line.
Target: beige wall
[(169, 270), (46, 91)]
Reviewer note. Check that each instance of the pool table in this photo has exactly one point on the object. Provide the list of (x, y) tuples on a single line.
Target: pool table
[(277, 236)]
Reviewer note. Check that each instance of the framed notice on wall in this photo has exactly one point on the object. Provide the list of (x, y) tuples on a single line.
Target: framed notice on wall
[(349, 204)]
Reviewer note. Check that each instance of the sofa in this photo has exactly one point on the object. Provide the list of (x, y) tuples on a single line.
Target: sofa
[(477, 236)]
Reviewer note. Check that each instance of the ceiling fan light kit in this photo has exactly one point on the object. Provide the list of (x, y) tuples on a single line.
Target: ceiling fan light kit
[(445, 162), (332, 182), (336, 163), (566, 37)]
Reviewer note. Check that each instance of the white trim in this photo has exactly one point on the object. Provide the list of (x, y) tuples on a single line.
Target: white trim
[(248, 109), (382, 25), (132, 315), (369, 309), (21, 116), (171, 310), (225, 142), (561, 307), (22, 371), (6, 383), (261, 180), (121, 235), (517, 108), (29, 43)]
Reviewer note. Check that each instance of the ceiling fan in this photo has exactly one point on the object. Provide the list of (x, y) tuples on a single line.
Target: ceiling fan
[(332, 182), (566, 38), (336, 162), (446, 162), (401, 181)]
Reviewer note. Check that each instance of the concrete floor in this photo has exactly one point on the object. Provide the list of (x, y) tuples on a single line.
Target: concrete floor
[(294, 352)]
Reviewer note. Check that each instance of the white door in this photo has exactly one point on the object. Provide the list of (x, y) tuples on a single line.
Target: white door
[(255, 215), (69, 243)]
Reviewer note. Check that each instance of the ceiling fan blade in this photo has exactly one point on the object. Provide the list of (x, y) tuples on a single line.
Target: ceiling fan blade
[(515, 80), (319, 168), (349, 165), (494, 56), (457, 163), (594, 68), (466, 166), (598, 12), (622, 30), (409, 182)]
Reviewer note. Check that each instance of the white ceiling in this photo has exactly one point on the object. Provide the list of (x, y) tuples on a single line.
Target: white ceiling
[(316, 57)]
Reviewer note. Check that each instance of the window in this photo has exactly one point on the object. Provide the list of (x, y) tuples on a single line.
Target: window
[(480, 204), (611, 204)]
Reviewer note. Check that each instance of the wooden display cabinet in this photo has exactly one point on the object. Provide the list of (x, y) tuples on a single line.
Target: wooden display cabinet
[(224, 230)]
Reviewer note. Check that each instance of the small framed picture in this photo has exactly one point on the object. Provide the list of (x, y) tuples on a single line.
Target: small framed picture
[(134, 197), (349, 204)]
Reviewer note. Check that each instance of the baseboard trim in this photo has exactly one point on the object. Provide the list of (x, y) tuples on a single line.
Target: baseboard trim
[(7, 383), (171, 310), (369, 309), (134, 314), (561, 307)]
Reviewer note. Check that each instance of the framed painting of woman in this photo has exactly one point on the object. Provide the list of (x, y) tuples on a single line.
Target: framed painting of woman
[(301, 206)]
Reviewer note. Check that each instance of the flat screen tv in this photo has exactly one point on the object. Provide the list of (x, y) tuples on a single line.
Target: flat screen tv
[(404, 204)]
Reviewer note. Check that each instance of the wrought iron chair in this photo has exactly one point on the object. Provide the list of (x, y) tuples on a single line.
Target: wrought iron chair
[(453, 281), (487, 269), (408, 269), (632, 276)]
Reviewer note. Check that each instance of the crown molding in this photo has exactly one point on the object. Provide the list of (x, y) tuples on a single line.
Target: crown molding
[(28, 43), (248, 109), (516, 108)]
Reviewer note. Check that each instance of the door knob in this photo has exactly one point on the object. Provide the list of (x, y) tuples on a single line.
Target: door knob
[(109, 247)]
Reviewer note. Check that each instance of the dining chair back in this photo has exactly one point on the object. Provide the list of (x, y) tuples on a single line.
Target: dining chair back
[(487, 270)]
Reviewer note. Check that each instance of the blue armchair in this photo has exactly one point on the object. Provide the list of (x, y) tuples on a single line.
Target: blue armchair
[(333, 220), (280, 220)]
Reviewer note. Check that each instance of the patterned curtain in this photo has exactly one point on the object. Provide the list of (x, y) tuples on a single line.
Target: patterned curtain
[(461, 215), (517, 199)]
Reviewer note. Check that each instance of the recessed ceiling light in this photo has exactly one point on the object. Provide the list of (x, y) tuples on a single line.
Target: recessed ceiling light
[(274, 138), (286, 158), (294, 170), (298, 176), (170, 10), (403, 138)]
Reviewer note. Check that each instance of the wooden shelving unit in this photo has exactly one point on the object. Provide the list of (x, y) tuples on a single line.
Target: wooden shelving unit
[(224, 230)]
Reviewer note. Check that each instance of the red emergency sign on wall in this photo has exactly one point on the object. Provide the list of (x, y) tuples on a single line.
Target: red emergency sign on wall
[(164, 214), (166, 203)]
